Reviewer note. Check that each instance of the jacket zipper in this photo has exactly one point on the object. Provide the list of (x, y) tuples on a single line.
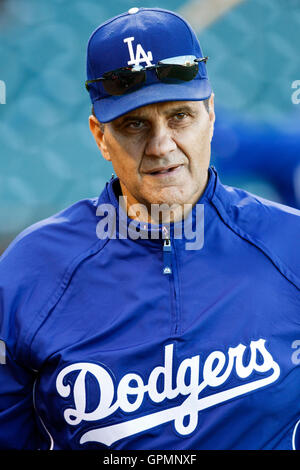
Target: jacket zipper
[(169, 269), (167, 256)]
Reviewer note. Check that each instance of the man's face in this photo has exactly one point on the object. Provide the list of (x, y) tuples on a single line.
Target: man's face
[(160, 152)]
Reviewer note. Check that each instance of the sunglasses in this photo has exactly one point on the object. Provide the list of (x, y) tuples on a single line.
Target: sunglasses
[(126, 79)]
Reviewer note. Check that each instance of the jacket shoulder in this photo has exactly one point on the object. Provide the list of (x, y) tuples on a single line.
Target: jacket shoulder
[(37, 266), (54, 241), (66, 222), (272, 227)]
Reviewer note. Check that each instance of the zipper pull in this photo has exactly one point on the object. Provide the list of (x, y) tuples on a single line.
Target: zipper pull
[(167, 256)]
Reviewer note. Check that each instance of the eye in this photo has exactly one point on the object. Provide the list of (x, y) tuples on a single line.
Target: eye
[(180, 116), (136, 125)]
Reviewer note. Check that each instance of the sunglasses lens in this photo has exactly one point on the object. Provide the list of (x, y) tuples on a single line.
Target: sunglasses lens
[(171, 70), (172, 73), (121, 81)]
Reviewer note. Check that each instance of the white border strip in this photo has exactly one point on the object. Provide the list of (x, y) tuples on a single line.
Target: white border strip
[(294, 435), (49, 435)]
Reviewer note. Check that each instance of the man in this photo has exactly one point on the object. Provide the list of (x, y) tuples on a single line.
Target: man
[(165, 313)]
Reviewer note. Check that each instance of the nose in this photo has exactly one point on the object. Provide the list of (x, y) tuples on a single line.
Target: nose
[(160, 142)]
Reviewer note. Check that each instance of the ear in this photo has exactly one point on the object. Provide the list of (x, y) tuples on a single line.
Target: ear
[(212, 116), (98, 132)]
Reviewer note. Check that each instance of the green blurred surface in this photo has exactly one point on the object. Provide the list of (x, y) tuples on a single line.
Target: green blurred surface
[(48, 158)]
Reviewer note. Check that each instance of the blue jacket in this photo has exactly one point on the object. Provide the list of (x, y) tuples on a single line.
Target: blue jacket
[(146, 342)]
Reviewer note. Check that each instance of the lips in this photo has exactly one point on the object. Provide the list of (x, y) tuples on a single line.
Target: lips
[(163, 170)]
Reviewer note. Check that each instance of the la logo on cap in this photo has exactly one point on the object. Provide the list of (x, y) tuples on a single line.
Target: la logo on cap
[(140, 55)]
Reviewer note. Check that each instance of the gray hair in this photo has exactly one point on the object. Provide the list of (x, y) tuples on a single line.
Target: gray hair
[(101, 125)]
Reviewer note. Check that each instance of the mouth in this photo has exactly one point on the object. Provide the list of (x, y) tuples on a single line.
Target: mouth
[(161, 171)]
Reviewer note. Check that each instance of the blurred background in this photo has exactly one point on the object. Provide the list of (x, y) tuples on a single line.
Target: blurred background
[(48, 158)]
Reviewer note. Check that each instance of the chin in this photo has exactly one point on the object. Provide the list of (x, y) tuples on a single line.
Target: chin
[(170, 196)]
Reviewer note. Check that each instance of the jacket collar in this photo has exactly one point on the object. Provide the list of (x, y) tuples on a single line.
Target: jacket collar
[(125, 224)]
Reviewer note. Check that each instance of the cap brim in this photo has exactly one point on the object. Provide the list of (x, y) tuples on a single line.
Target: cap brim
[(110, 108)]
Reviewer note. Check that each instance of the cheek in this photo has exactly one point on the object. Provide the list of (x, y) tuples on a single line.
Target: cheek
[(125, 163), (196, 145)]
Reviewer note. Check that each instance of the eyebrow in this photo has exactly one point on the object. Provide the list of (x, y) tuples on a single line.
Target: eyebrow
[(135, 115), (185, 108)]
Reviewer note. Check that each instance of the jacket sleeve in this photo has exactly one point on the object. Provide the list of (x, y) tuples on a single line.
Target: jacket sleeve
[(18, 429), (34, 271)]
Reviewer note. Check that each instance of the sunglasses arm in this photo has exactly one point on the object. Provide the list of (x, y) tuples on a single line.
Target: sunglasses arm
[(202, 59), (88, 82)]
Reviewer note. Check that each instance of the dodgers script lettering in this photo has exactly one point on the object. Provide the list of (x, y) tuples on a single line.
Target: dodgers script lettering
[(217, 369)]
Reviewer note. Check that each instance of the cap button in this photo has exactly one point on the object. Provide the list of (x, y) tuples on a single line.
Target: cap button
[(133, 10)]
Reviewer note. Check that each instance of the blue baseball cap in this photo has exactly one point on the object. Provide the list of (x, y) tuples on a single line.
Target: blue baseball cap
[(142, 37)]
